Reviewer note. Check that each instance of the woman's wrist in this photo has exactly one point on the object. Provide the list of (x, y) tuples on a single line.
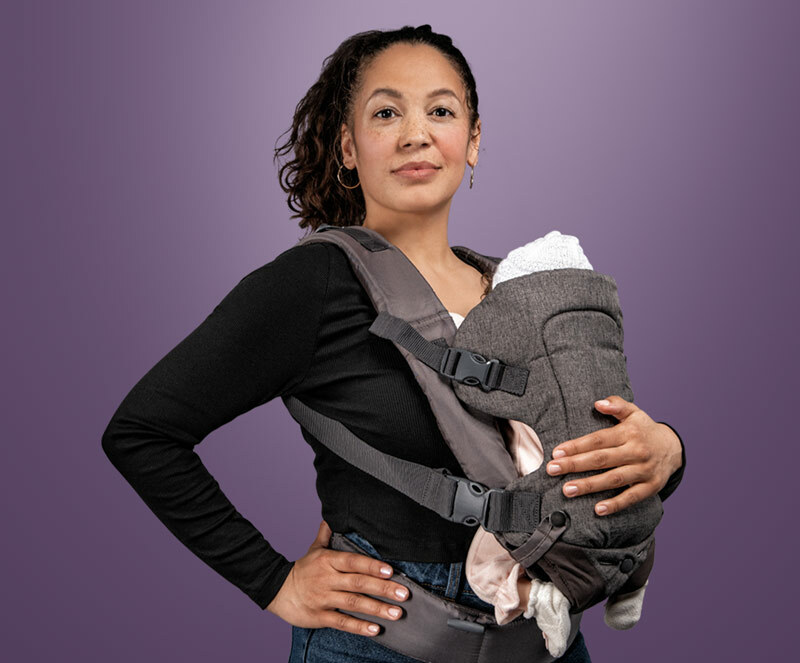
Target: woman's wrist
[(676, 476)]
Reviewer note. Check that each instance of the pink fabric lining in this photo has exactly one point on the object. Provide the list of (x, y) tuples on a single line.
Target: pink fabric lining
[(491, 571)]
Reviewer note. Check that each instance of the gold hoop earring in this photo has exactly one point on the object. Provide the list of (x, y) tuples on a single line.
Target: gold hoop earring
[(339, 177), (471, 175)]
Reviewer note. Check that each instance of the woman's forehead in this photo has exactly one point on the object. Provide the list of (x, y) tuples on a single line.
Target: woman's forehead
[(406, 70)]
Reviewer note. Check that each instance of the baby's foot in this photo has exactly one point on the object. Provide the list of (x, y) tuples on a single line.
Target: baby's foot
[(551, 609), (624, 610)]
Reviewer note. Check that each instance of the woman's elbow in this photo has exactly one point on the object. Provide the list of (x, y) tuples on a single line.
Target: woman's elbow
[(113, 442)]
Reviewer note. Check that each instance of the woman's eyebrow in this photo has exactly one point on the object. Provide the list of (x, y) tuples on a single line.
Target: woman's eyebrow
[(391, 92)]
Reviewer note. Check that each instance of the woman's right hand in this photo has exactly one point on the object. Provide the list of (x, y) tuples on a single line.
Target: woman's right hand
[(324, 579)]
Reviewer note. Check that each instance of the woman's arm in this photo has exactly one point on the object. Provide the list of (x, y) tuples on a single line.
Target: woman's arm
[(256, 344), (645, 455)]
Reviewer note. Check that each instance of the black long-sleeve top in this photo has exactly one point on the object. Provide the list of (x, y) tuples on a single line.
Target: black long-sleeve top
[(297, 325)]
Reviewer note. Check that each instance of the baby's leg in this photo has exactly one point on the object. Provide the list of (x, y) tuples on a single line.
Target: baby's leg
[(551, 610), (624, 610)]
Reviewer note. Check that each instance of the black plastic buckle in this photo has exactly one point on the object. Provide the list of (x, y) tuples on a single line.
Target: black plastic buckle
[(471, 501), (471, 368)]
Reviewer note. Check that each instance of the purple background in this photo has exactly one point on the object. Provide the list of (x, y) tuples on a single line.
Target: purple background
[(138, 188)]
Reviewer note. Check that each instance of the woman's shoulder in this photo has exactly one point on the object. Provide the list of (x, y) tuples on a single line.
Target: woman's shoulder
[(315, 276), (309, 260)]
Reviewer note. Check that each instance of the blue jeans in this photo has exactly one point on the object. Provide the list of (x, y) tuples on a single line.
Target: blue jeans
[(327, 645)]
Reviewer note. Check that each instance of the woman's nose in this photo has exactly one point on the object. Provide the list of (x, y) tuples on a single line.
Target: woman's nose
[(414, 131)]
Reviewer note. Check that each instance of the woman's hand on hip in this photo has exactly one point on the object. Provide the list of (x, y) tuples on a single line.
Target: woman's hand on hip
[(323, 580), (639, 453)]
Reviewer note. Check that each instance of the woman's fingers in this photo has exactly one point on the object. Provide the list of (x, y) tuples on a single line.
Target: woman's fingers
[(625, 467), (616, 478), (588, 461), (626, 498), (357, 602), (325, 581), (603, 438), (358, 574), (636, 452), (343, 622), (323, 537), (349, 562), (354, 577), (616, 406)]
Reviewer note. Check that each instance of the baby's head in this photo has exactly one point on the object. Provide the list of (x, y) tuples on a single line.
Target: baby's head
[(553, 251)]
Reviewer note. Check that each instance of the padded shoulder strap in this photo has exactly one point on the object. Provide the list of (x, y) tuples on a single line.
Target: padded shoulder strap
[(396, 287)]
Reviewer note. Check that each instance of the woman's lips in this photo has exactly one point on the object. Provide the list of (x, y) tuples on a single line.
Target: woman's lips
[(417, 173)]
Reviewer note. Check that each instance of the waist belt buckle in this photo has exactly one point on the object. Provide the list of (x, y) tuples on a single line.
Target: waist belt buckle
[(470, 367), (471, 501)]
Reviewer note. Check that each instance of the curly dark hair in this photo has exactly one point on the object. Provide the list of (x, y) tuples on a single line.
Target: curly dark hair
[(310, 178)]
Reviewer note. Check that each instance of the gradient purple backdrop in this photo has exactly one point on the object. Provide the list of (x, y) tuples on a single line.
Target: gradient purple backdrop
[(139, 188)]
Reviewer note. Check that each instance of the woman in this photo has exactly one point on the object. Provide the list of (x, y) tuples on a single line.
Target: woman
[(381, 140)]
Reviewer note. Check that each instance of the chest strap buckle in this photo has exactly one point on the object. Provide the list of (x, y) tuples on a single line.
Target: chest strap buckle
[(469, 367)]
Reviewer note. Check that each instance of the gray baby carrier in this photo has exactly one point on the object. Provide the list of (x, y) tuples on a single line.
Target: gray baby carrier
[(540, 349)]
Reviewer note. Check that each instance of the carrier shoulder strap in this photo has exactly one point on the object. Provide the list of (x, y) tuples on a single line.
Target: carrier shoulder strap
[(457, 499), (399, 292)]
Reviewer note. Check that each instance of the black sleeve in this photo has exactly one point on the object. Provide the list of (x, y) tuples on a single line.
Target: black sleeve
[(677, 475), (257, 343)]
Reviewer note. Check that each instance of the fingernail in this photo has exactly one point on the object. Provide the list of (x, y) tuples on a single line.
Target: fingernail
[(401, 593), (601, 509), (604, 403), (373, 628), (394, 612), (571, 490), (386, 571), (553, 468), (559, 453)]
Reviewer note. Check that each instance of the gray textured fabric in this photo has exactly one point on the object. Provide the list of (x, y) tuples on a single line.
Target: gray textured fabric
[(565, 325)]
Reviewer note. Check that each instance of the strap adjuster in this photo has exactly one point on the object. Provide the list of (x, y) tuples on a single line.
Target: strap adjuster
[(471, 501), (470, 368)]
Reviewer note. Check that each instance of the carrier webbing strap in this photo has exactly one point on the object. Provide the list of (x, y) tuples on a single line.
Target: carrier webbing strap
[(542, 539), (367, 240), (458, 364), (454, 498), (395, 285)]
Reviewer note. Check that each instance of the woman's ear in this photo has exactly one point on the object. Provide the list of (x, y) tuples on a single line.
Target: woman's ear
[(348, 148), (474, 144)]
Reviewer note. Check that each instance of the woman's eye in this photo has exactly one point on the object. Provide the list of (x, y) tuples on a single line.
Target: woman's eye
[(436, 110)]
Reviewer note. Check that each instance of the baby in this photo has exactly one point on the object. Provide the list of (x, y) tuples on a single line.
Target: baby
[(491, 571)]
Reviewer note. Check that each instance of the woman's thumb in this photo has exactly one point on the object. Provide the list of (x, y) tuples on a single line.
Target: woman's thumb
[(323, 536)]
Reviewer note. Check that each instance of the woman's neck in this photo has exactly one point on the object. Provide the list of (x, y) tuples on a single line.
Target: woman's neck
[(423, 241)]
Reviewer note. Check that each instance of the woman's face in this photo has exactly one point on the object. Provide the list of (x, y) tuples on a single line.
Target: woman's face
[(404, 113)]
